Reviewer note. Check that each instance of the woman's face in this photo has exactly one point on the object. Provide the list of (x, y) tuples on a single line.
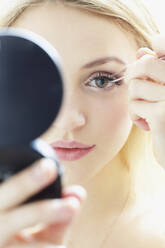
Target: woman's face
[(95, 111)]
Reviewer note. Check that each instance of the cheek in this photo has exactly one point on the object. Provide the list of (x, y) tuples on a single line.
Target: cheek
[(116, 116), (115, 113), (116, 125)]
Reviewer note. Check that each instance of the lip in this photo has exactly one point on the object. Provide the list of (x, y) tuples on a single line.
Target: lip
[(71, 151)]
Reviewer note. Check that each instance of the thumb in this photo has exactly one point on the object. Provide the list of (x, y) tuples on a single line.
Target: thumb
[(51, 233), (56, 232)]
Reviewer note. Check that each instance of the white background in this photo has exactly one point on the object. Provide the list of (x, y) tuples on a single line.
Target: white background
[(157, 9)]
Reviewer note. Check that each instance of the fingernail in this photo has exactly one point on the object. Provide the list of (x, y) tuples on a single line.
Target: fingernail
[(142, 123), (143, 51), (44, 171), (161, 57), (80, 192), (73, 202)]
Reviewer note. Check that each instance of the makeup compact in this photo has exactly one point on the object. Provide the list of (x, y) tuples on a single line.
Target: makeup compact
[(31, 94)]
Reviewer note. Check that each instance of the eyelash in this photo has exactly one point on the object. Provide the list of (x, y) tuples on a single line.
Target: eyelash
[(104, 75)]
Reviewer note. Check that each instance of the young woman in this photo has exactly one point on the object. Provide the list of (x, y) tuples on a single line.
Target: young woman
[(109, 136)]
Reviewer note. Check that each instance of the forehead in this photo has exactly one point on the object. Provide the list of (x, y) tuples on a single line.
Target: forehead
[(77, 33)]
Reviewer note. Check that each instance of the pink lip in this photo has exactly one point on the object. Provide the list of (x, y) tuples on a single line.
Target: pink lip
[(70, 151)]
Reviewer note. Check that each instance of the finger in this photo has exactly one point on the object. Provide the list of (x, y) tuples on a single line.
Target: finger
[(46, 212), (139, 121), (140, 112), (146, 90), (148, 66), (158, 44), (144, 50), (28, 182), (31, 243), (37, 245), (54, 233), (76, 191)]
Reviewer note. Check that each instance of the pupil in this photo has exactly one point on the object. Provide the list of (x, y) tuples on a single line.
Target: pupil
[(101, 82)]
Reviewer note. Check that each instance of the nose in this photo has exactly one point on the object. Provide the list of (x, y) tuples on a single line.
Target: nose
[(71, 117), (70, 120)]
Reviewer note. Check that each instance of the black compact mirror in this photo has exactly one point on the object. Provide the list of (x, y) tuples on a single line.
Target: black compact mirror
[(31, 94)]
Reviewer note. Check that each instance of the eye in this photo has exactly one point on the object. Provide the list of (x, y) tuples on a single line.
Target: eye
[(103, 80)]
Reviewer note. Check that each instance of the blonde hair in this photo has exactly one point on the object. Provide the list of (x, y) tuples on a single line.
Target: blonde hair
[(132, 16)]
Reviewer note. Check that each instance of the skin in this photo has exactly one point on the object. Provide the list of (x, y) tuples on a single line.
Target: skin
[(79, 121), (103, 120)]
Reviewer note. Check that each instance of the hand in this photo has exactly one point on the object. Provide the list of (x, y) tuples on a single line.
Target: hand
[(146, 80), (42, 223)]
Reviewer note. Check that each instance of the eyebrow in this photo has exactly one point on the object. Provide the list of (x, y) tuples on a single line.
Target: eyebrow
[(102, 61)]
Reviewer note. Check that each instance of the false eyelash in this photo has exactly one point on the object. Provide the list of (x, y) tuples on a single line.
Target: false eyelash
[(117, 79)]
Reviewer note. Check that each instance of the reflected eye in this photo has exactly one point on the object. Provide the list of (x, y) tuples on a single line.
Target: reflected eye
[(103, 80)]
